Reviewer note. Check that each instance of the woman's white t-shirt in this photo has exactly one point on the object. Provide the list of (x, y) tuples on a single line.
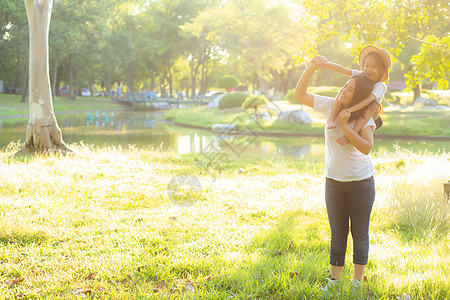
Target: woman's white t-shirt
[(342, 163)]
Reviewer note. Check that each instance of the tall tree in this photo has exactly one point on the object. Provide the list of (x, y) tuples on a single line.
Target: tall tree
[(43, 132), (390, 24), (13, 49), (259, 37)]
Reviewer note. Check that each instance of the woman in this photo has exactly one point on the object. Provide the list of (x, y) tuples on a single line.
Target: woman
[(349, 188)]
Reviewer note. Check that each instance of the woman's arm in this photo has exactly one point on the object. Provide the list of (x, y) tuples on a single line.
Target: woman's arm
[(363, 141), (302, 84), (368, 113)]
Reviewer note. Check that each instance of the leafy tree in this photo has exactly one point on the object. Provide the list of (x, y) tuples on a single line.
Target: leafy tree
[(254, 102), (227, 82), (13, 46), (199, 38), (389, 24), (258, 38), (168, 16)]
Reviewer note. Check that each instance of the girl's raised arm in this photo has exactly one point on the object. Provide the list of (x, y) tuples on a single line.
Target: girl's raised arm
[(338, 68)]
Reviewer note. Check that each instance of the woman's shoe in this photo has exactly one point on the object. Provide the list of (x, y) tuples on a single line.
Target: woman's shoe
[(356, 283), (330, 284)]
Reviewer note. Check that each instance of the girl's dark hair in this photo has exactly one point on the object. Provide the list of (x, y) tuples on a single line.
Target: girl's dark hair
[(378, 60), (363, 88)]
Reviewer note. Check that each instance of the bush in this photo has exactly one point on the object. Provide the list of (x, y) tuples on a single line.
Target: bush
[(232, 100), (328, 91), (227, 82), (253, 101), (291, 97)]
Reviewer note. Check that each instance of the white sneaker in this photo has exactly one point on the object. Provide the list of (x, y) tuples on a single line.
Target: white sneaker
[(356, 283), (330, 284)]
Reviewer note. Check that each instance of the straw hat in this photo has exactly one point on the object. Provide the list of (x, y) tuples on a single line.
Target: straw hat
[(381, 52)]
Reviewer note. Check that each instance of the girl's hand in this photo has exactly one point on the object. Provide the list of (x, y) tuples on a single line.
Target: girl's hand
[(319, 62), (343, 117)]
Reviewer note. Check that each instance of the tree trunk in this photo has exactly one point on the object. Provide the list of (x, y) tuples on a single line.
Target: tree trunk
[(22, 75), (19, 72), (194, 72), (25, 92), (275, 80), (25, 84), (202, 80), (75, 77), (152, 84), (163, 81), (55, 75), (109, 81), (169, 72), (58, 80), (130, 78), (43, 133), (416, 91), (69, 70), (193, 77)]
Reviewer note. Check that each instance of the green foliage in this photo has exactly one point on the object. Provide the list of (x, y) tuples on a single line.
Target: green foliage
[(188, 45), (291, 97), (328, 91), (432, 63), (227, 82), (13, 45), (389, 98), (389, 24), (232, 100), (253, 101)]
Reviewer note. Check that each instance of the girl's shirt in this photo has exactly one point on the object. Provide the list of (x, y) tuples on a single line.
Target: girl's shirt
[(342, 163), (379, 88)]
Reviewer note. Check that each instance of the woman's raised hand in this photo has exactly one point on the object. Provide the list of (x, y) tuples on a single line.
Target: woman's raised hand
[(343, 117)]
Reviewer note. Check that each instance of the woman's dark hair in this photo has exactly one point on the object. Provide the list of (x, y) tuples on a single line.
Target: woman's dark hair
[(378, 60), (363, 88)]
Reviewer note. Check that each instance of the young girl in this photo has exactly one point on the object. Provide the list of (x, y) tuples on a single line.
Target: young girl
[(375, 63)]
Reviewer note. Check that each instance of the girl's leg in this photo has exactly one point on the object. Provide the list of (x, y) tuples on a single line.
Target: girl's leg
[(361, 195), (336, 107), (370, 111), (338, 216)]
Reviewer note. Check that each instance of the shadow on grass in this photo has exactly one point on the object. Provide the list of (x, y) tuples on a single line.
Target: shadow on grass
[(286, 262), (22, 238)]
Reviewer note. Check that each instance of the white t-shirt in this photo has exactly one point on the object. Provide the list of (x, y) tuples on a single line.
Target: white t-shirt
[(342, 163), (379, 88)]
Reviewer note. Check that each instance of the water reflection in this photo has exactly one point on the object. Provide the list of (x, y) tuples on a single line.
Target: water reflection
[(141, 129)]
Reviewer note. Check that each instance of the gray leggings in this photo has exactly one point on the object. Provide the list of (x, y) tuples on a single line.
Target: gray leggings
[(349, 200)]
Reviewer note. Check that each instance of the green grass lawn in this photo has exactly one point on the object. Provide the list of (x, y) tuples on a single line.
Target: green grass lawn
[(101, 224), (10, 105), (397, 121), (409, 121)]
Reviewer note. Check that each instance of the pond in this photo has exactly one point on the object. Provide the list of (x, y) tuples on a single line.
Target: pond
[(143, 130)]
